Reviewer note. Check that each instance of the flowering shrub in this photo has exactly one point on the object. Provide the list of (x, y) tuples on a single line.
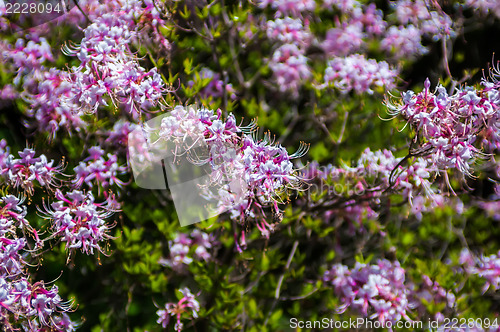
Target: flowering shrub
[(345, 153)]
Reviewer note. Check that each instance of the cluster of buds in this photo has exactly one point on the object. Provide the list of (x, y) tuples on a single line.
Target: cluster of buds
[(377, 290), (187, 307)]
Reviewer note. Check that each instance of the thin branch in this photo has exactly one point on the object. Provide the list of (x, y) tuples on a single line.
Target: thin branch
[(81, 10), (287, 266), (300, 297), (280, 281)]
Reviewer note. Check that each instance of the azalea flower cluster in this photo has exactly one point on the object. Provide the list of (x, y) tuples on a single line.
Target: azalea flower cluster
[(289, 62), (96, 169), (26, 59), (485, 6), (23, 303), (260, 169), (355, 192), (12, 217), (27, 56), (377, 291), (33, 306), (186, 247), (27, 170), (349, 36), (346, 69), (108, 69), (290, 68), (358, 74), (403, 42), (356, 27), (359, 24), (79, 221), (381, 164), (486, 267), (248, 177), (423, 16), (76, 219), (289, 7), (117, 137), (289, 30), (187, 307), (49, 102), (145, 17), (447, 126), (46, 91)]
